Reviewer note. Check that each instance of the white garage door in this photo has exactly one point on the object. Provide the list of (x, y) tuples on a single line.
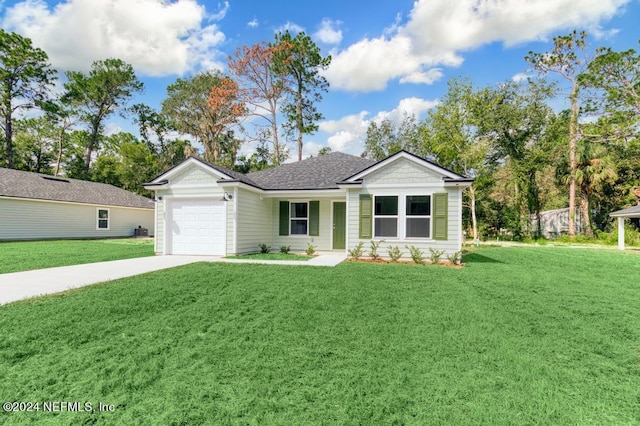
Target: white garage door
[(197, 226)]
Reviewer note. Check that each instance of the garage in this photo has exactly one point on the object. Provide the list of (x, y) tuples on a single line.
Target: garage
[(196, 226)]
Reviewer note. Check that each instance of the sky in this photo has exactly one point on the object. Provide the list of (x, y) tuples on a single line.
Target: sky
[(389, 58)]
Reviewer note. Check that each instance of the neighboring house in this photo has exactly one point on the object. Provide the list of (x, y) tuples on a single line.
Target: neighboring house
[(620, 215), (38, 206), (555, 223), (332, 202)]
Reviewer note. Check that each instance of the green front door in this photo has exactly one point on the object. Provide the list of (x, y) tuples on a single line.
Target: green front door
[(339, 225)]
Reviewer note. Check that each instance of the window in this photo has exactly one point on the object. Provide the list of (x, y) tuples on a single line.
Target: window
[(103, 219), (299, 215), (386, 216), (418, 211)]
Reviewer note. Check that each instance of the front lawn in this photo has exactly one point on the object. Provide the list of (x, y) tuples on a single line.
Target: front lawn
[(18, 256), (520, 335)]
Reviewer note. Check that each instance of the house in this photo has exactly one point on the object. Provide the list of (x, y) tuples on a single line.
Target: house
[(39, 206), (332, 202), (631, 212)]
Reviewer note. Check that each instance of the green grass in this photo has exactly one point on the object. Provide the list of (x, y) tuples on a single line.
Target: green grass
[(271, 256), (520, 335), (28, 255)]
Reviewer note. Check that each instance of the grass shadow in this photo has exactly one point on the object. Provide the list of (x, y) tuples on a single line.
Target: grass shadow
[(478, 258)]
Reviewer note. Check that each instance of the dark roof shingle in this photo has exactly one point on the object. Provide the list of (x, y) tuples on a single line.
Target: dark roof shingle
[(21, 184), (322, 172)]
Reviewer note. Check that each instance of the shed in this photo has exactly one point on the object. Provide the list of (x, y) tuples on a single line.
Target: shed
[(621, 215)]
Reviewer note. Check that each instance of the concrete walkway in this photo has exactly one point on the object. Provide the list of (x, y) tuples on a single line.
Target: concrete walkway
[(21, 285)]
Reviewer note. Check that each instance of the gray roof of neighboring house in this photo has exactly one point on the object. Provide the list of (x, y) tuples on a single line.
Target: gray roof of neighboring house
[(322, 172), (629, 212), (37, 186)]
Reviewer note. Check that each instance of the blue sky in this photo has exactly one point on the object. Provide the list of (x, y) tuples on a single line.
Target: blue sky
[(389, 57)]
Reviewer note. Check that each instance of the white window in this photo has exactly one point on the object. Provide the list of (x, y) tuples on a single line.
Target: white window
[(385, 216), (402, 216), (299, 218), (102, 221), (418, 212)]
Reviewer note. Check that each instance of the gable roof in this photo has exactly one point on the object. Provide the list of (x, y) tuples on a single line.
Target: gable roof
[(225, 174), (38, 186), (322, 172), (447, 175)]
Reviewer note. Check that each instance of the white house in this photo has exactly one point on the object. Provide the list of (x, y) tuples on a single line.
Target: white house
[(332, 202), (39, 206)]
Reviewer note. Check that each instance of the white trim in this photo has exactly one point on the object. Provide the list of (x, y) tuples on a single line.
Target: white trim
[(75, 203), (299, 218), (98, 219), (194, 186), (235, 220), (401, 216), (186, 163), (346, 233), (155, 226), (621, 233), (304, 193), (407, 156), (402, 185)]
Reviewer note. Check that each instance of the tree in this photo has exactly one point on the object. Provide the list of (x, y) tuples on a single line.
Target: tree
[(261, 89), (385, 138), (567, 59), (25, 78), (188, 110), (299, 63), (227, 111), (451, 135), (35, 144), (94, 97)]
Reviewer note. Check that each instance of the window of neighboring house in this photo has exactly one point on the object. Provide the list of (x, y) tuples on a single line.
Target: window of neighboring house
[(418, 216), (385, 216), (103, 219), (299, 215)]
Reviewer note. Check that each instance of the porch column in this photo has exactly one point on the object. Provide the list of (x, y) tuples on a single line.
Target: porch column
[(620, 233)]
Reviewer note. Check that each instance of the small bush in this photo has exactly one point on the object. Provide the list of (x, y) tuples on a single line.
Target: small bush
[(436, 255), (356, 252), (311, 250), (374, 249), (285, 249), (455, 258), (416, 254), (394, 253), (264, 248)]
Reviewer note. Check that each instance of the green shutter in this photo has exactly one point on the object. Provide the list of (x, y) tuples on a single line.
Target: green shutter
[(366, 209), (284, 218), (440, 216), (314, 218)]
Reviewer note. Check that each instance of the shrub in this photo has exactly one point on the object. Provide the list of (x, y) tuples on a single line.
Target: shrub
[(416, 254), (356, 252), (374, 249), (264, 248), (436, 255), (285, 249), (311, 250), (455, 258), (394, 253)]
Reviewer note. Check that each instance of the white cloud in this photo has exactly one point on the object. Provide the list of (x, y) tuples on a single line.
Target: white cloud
[(155, 36), (348, 133), (253, 23), (520, 77), (291, 27), (329, 33), (438, 31)]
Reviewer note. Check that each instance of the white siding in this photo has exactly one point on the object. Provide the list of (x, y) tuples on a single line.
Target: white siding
[(451, 245), (299, 243), (402, 172), (193, 175), (33, 219), (254, 221)]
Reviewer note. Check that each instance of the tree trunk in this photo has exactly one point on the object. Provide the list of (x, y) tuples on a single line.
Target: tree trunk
[(474, 220), (586, 219), (59, 157), (91, 146), (299, 124), (8, 139), (573, 139)]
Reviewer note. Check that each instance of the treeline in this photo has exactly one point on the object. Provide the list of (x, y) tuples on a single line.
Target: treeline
[(65, 132), (525, 157)]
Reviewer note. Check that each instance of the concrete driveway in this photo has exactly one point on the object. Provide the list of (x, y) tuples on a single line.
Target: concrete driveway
[(21, 285)]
